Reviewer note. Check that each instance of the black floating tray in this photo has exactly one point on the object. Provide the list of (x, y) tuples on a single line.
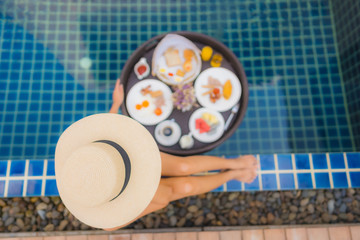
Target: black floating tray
[(230, 61)]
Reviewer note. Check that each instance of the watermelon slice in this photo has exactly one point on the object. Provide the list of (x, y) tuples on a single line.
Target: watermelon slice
[(202, 125)]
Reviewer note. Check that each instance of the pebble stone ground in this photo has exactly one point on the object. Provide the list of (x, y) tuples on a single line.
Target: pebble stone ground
[(47, 214)]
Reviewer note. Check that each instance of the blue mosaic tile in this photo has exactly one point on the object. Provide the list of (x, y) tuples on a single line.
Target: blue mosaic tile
[(355, 179), (337, 160), (51, 188), (322, 180), (267, 162), (50, 168), (340, 180), (234, 185), (15, 188), (34, 188), (284, 162), (353, 160), (287, 181), (304, 181), (2, 188), (36, 168), (269, 181), (3, 168), (17, 168), (319, 161), (302, 161), (254, 185)]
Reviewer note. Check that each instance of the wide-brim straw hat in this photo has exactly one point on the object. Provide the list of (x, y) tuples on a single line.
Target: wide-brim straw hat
[(107, 168)]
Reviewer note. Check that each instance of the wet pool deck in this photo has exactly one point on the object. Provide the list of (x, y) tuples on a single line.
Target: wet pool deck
[(323, 232)]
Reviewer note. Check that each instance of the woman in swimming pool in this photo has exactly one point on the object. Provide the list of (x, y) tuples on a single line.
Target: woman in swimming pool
[(178, 170)]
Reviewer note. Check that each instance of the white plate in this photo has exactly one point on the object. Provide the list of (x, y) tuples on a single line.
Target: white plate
[(158, 61), (206, 137), (221, 74), (146, 116)]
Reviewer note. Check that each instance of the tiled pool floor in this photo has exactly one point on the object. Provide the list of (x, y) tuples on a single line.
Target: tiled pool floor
[(297, 101)]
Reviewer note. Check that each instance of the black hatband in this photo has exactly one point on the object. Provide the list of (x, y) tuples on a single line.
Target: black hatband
[(126, 160)]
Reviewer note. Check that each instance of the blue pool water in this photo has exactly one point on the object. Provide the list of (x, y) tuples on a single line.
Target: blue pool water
[(289, 50)]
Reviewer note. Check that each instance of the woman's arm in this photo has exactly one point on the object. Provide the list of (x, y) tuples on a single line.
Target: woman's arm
[(117, 96)]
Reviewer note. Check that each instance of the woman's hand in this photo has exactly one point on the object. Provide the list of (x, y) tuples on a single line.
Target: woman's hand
[(117, 97)]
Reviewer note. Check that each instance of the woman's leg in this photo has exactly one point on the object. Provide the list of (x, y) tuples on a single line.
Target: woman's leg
[(195, 185), (184, 166), (171, 189)]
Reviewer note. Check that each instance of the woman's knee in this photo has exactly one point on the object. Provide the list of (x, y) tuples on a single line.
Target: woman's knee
[(184, 168), (184, 187)]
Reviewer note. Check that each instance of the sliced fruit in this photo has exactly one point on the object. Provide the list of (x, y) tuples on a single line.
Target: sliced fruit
[(145, 103), (187, 66), (158, 111), (206, 53), (202, 125), (227, 90), (188, 54)]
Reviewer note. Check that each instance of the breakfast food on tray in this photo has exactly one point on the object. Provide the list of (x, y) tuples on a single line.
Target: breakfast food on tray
[(184, 97), (156, 96), (172, 57), (142, 69), (149, 101), (216, 60), (206, 53), (213, 87), (207, 123), (217, 88), (176, 60), (227, 89), (180, 73)]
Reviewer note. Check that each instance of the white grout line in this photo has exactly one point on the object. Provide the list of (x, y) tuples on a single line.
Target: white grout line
[(6, 188), (330, 171), (277, 172), (347, 171), (28, 178), (44, 178), (294, 171), (25, 178), (312, 170)]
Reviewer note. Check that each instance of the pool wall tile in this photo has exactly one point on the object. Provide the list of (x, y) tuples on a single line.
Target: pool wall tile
[(267, 162), (287, 181), (302, 161), (322, 180), (277, 172), (319, 161), (337, 160), (353, 160), (340, 180), (284, 162)]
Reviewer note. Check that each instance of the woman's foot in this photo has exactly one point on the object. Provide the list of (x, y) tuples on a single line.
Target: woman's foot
[(244, 162), (245, 175)]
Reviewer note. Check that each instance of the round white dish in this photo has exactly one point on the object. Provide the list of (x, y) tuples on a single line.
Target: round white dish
[(146, 115), (221, 74)]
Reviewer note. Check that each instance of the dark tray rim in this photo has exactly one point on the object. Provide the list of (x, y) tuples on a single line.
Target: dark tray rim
[(226, 52)]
